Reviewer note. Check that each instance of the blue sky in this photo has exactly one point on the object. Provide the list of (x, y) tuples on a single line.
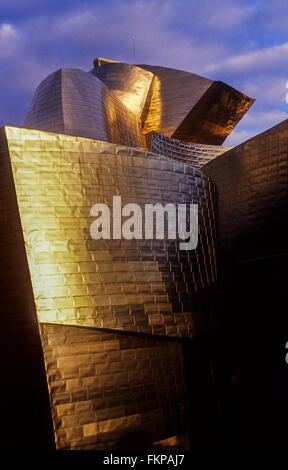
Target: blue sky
[(243, 43)]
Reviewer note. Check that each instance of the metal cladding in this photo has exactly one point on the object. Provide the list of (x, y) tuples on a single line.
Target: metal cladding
[(24, 400), (105, 385), (131, 84), (191, 108), (74, 102), (110, 390), (196, 155), (116, 316), (251, 181), (117, 102), (146, 286)]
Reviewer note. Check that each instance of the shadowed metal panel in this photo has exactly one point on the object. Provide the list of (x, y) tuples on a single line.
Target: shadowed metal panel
[(46, 109), (214, 116), (192, 108), (251, 181), (26, 421), (111, 390), (173, 96)]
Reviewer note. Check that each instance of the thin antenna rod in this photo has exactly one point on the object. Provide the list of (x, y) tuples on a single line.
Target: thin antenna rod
[(134, 49)]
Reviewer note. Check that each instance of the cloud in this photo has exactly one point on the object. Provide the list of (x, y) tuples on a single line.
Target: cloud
[(268, 90), (7, 33), (9, 39), (224, 16), (259, 61), (238, 136), (93, 31)]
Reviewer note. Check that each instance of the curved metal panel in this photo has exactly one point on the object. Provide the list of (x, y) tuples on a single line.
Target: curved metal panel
[(196, 155), (136, 285), (74, 102)]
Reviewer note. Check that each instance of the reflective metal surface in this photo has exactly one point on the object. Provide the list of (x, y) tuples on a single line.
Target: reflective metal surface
[(107, 384), (132, 285), (117, 102), (26, 421), (192, 108), (196, 155), (131, 84), (252, 197), (74, 102), (110, 390)]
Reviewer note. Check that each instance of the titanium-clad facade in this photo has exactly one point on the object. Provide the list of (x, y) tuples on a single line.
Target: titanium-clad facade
[(252, 209), (144, 286), (252, 190), (131, 84), (137, 338), (74, 102), (110, 390), (196, 155), (104, 386), (192, 108), (120, 103)]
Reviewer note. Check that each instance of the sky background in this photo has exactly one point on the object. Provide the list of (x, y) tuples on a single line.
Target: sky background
[(243, 43)]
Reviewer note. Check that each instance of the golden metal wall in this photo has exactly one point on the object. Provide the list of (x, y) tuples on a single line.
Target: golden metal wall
[(174, 94), (104, 386), (146, 286), (214, 116), (111, 390)]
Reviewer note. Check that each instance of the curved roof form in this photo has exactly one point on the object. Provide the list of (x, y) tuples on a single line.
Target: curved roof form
[(74, 102), (121, 103)]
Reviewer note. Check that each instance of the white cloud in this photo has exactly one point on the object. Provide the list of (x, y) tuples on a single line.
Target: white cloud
[(7, 33), (258, 61), (259, 119), (238, 136), (271, 90)]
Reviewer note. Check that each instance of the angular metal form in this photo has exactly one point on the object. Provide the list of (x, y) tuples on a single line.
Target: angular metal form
[(24, 405), (252, 211), (191, 108), (110, 390), (131, 84)]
